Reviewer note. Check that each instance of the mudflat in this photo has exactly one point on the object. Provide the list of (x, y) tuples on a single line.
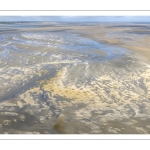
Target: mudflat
[(74, 78)]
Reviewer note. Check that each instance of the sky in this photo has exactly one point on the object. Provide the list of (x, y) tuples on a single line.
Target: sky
[(77, 18)]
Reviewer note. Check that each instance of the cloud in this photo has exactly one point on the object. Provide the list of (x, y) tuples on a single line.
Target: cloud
[(78, 18)]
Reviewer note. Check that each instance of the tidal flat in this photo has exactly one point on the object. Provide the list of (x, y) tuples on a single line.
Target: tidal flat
[(74, 78)]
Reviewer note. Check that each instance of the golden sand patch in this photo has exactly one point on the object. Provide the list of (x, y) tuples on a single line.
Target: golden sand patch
[(41, 72), (68, 92), (35, 89), (56, 87), (27, 98)]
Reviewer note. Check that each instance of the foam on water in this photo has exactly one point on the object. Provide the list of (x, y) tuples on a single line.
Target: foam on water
[(70, 42), (62, 82)]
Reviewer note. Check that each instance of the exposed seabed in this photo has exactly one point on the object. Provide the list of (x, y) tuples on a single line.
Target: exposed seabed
[(74, 78)]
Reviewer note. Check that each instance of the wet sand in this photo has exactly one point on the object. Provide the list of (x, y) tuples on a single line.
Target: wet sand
[(74, 78)]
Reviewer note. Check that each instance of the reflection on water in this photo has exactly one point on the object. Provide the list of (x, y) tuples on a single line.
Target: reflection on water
[(73, 44), (59, 81)]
